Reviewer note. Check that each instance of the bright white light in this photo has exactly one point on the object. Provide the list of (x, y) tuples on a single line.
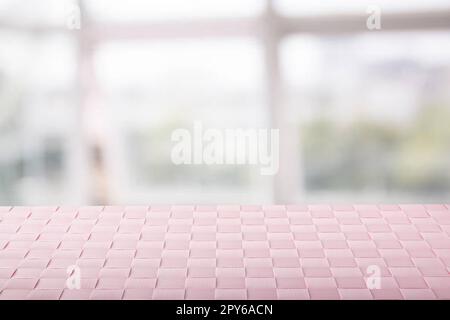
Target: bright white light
[(316, 7), (132, 10), (42, 12), (193, 63)]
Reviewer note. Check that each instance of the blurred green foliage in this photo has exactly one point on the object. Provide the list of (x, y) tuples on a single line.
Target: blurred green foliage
[(368, 155)]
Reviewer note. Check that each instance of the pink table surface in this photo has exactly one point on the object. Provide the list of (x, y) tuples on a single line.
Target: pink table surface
[(226, 252)]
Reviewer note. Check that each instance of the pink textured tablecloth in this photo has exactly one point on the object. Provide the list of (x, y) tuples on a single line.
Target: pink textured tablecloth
[(226, 252)]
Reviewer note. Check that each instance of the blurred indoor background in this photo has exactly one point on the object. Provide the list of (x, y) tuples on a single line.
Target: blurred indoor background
[(86, 113)]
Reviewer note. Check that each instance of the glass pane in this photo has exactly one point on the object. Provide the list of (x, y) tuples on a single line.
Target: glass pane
[(317, 7), (36, 118), (373, 114), (152, 88), (156, 10), (35, 13)]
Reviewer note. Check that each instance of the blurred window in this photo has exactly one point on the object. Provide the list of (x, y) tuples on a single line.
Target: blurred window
[(50, 13), (162, 10), (336, 7), (153, 88), (37, 117), (373, 114), (370, 110)]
